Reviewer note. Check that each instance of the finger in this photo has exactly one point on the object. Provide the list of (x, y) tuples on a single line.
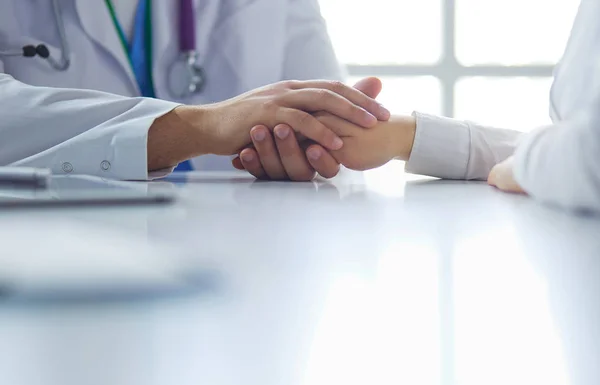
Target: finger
[(370, 86), (322, 161), (250, 161), (310, 127), (339, 126), (292, 156), (267, 153), (353, 95), (237, 163), (314, 99)]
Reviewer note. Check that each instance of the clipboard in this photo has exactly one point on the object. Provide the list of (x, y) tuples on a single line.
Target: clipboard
[(84, 190)]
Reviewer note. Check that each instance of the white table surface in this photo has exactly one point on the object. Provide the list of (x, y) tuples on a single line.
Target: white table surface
[(418, 282)]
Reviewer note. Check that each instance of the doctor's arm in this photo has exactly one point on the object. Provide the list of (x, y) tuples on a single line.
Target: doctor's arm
[(75, 131), (96, 133)]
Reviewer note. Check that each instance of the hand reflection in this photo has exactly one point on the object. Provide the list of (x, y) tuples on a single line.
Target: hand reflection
[(272, 194)]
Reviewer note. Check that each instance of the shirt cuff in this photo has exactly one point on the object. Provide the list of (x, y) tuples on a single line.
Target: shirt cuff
[(130, 144), (441, 147)]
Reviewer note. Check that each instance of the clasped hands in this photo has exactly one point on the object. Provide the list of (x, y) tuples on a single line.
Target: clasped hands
[(286, 156)]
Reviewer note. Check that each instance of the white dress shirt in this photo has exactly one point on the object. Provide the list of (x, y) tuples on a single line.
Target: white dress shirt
[(558, 164)]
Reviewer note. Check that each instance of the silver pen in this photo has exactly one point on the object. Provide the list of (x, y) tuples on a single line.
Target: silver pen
[(25, 176)]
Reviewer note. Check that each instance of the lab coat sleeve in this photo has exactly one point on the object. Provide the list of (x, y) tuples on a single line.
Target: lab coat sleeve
[(76, 131), (309, 52), (560, 164), (456, 149)]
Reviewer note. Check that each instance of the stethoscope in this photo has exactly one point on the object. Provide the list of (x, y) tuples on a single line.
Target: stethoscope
[(186, 75)]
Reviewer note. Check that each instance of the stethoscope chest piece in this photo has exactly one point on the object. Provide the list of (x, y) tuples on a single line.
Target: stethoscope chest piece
[(186, 75)]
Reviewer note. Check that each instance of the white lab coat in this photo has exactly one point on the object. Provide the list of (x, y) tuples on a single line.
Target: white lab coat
[(89, 118), (559, 164)]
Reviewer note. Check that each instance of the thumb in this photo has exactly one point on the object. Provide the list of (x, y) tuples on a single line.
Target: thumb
[(370, 86)]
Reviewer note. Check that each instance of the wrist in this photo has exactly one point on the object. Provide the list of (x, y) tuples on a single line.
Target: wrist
[(197, 127), (402, 131), (178, 135)]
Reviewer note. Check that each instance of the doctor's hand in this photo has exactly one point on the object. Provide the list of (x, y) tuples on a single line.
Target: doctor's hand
[(224, 128), (283, 157), (503, 178), (289, 103)]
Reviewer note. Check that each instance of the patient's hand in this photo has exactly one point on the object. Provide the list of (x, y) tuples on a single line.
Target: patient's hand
[(503, 177), (367, 149)]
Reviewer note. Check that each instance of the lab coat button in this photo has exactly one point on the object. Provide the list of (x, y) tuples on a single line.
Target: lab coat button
[(67, 167), (105, 165)]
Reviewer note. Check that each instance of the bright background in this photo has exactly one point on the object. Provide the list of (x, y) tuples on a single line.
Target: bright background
[(489, 61)]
